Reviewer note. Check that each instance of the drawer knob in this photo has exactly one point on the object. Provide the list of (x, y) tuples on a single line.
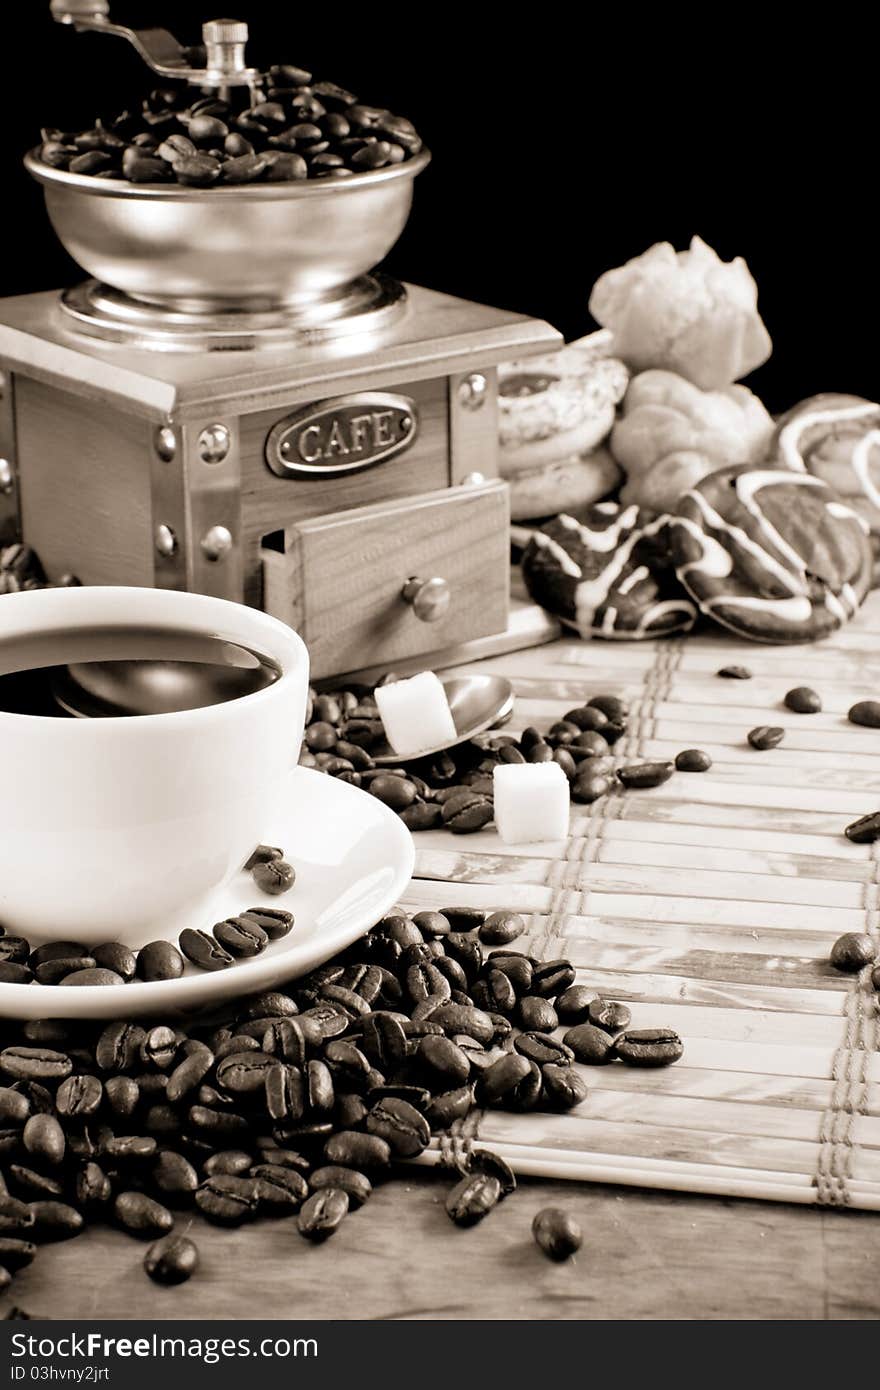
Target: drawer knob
[(429, 598)]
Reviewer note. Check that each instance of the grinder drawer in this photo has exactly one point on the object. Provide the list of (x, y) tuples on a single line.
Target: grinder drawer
[(339, 579)]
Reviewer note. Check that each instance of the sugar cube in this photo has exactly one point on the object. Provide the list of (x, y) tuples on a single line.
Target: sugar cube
[(532, 802), (416, 714)]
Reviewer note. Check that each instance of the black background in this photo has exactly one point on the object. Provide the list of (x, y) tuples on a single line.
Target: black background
[(565, 141)]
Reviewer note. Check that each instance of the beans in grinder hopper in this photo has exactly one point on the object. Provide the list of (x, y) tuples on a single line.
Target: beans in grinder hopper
[(219, 140)]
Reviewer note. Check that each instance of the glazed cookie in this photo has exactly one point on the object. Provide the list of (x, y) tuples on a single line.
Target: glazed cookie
[(564, 486), (557, 407), (837, 438), (608, 573), (771, 554)]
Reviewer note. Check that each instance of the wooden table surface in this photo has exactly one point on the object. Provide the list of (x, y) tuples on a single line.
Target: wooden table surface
[(645, 1255)]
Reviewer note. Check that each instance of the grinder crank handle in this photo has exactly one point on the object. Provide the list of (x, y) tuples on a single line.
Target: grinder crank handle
[(225, 41)]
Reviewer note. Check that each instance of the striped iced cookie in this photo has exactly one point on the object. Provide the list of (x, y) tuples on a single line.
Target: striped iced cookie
[(837, 438), (773, 555), (607, 573)]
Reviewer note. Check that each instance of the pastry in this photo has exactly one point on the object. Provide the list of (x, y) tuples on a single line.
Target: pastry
[(685, 311), (558, 406), (836, 438), (671, 434), (565, 485), (772, 554), (607, 573)]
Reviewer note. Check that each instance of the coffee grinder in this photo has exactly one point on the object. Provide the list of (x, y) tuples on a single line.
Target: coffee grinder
[(237, 403)]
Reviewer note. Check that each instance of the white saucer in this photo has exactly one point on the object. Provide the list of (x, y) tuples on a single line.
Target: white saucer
[(353, 859)]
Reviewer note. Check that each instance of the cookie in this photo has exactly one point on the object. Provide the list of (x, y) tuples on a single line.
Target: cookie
[(837, 438), (607, 573), (773, 555), (564, 486), (557, 407)]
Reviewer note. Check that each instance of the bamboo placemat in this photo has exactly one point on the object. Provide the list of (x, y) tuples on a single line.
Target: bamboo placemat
[(709, 904)]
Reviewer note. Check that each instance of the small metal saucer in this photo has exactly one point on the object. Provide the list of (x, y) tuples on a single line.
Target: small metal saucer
[(477, 703)]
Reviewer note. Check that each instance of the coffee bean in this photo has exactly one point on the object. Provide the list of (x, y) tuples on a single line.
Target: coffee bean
[(473, 1198), (224, 1125), (449, 1106), (79, 1096), (551, 977), (589, 1043), (171, 1260), (189, 1073), (241, 1073), (15, 950), (204, 950), (93, 1187), (803, 700), (866, 713), (275, 877), (467, 811), (16, 1254), (285, 1093), (459, 1018), (422, 815), (865, 830), (129, 1148), (356, 1186), (271, 1002), (119, 1046), (443, 1060), (14, 1107), (649, 1047), (536, 1014), (175, 1176), (396, 792), (384, 1040), (15, 1216), (13, 973), (540, 1048), (113, 955), (641, 776), (586, 718), (123, 1094), (230, 1162), (573, 1004), (557, 1233), (464, 919), (735, 673), (766, 736), (280, 1191), (351, 1149), (501, 928), (55, 1220), (609, 1016), (589, 786), (401, 1126), (227, 1200), (853, 951), (90, 976), (141, 1215), (159, 1047), (323, 1213), (518, 969), (564, 1087), (692, 760), (503, 1076), (159, 960), (35, 1064), (241, 936)]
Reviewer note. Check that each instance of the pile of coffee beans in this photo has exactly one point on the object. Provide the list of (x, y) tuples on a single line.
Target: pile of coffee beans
[(295, 1103), (454, 790), (300, 129)]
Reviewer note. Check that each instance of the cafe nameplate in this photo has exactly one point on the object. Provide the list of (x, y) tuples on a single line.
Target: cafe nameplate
[(343, 435)]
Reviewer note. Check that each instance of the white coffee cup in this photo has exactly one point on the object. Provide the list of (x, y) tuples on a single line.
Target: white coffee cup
[(114, 828)]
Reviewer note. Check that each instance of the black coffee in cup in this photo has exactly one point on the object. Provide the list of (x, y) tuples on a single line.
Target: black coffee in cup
[(97, 672)]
